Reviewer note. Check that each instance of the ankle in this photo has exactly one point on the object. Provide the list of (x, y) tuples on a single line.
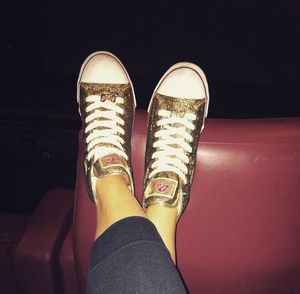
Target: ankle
[(109, 184), (163, 214)]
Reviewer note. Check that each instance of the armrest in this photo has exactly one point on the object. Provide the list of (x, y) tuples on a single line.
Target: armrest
[(36, 256), (67, 265), (12, 227)]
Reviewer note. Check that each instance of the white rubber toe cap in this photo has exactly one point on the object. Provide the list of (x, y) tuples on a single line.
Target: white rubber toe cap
[(103, 67), (183, 82)]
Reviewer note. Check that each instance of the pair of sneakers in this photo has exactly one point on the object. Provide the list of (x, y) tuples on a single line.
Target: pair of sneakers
[(176, 114)]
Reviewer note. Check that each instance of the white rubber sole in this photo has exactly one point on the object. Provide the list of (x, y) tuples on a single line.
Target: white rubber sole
[(110, 55), (179, 65)]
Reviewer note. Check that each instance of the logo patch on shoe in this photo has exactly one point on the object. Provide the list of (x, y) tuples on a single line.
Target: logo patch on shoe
[(112, 160), (108, 96), (161, 187)]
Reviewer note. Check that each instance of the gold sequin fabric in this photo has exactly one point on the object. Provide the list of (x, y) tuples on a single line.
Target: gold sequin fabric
[(95, 166), (179, 193)]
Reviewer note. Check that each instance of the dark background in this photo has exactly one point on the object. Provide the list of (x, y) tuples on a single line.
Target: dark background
[(248, 50)]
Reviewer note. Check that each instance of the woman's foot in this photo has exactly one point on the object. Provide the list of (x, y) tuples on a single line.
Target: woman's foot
[(177, 112), (106, 102)]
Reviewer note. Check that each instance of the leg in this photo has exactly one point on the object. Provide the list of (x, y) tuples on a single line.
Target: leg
[(128, 249), (164, 219), (130, 257), (114, 202)]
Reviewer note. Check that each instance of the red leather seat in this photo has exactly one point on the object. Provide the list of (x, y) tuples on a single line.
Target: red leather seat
[(241, 230)]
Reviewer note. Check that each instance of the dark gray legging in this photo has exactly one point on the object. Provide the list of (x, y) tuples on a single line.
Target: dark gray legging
[(130, 257)]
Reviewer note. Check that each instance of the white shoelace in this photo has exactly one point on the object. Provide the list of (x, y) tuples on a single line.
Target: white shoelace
[(107, 118), (173, 142)]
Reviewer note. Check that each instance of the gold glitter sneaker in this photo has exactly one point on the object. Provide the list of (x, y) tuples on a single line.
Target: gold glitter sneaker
[(106, 104), (177, 111)]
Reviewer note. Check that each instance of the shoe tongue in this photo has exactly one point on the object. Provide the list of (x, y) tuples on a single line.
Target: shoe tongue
[(111, 164), (164, 184), (105, 90)]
